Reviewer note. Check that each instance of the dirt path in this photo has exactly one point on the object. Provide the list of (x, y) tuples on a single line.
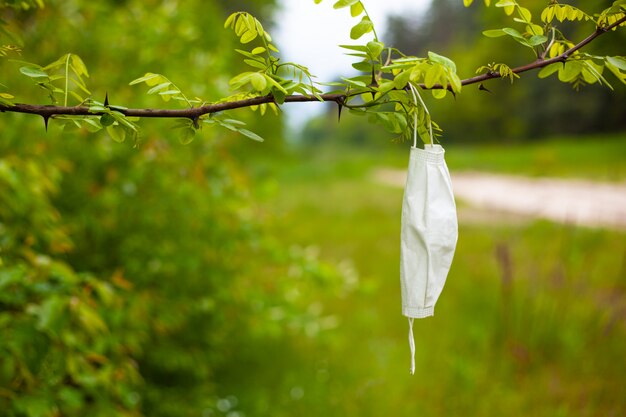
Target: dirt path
[(568, 201)]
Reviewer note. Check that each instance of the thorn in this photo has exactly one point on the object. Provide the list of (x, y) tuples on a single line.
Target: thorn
[(106, 99), (373, 84), (481, 87), (339, 108), (195, 120), (45, 121)]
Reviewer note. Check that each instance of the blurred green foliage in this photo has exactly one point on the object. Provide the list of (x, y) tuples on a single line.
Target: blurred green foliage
[(134, 279)]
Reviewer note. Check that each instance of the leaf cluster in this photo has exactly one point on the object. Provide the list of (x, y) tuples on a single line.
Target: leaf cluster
[(61, 79), (548, 41)]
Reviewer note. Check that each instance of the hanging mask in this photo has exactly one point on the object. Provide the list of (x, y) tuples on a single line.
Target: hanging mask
[(429, 232)]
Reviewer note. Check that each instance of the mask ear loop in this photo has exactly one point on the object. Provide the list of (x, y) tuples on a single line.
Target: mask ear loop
[(412, 346), (416, 96)]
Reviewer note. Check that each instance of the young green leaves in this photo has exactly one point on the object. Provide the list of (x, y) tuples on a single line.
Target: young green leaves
[(117, 125), (357, 9), (62, 78), (246, 27), (533, 34), (6, 98), (271, 77), (563, 12), (164, 88), (573, 66), (504, 70), (587, 69)]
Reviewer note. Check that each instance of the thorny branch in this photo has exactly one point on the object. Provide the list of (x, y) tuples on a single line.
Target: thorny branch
[(47, 111)]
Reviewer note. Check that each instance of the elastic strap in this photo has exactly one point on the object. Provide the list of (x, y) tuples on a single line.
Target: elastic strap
[(412, 346), (416, 96)]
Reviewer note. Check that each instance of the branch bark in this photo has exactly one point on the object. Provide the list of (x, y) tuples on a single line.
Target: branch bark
[(193, 113)]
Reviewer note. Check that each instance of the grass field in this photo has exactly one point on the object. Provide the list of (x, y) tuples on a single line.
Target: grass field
[(532, 321), (600, 157)]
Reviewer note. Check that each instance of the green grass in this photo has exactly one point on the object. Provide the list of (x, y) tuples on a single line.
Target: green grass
[(600, 157), (546, 338)]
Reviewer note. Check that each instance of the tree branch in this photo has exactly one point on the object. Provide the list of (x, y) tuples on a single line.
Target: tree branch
[(193, 113), (540, 63)]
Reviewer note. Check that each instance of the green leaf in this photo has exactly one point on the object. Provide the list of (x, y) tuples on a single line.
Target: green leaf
[(440, 59), (401, 80), (79, 66), (525, 13), (106, 120), (258, 81), (117, 133), (344, 3), (592, 73), (356, 9), (617, 62), (374, 49), (256, 64), (361, 28), (537, 40), (187, 135), (570, 71), (455, 82), (359, 48), (5, 99), (547, 14), (386, 86), (506, 3), (276, 84), (159, 87), (251, 135), (549, 70), (534, 29), (258, 50), (494, 33), (33, 72), (440, 93), (248, 36), (279, 96), (616, 71), (432, 75), (356, 83), (240, 80), (146, 78), (363, 66), (124, 121), (514, 33), (169, 93), (230, 20)]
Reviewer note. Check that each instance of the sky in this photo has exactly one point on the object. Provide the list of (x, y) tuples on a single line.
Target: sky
[(308, 34)]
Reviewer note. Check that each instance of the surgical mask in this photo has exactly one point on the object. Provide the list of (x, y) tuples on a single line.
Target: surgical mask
[(428, 236)]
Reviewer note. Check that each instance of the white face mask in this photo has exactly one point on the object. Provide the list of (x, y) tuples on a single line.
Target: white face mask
[(429, 234)]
